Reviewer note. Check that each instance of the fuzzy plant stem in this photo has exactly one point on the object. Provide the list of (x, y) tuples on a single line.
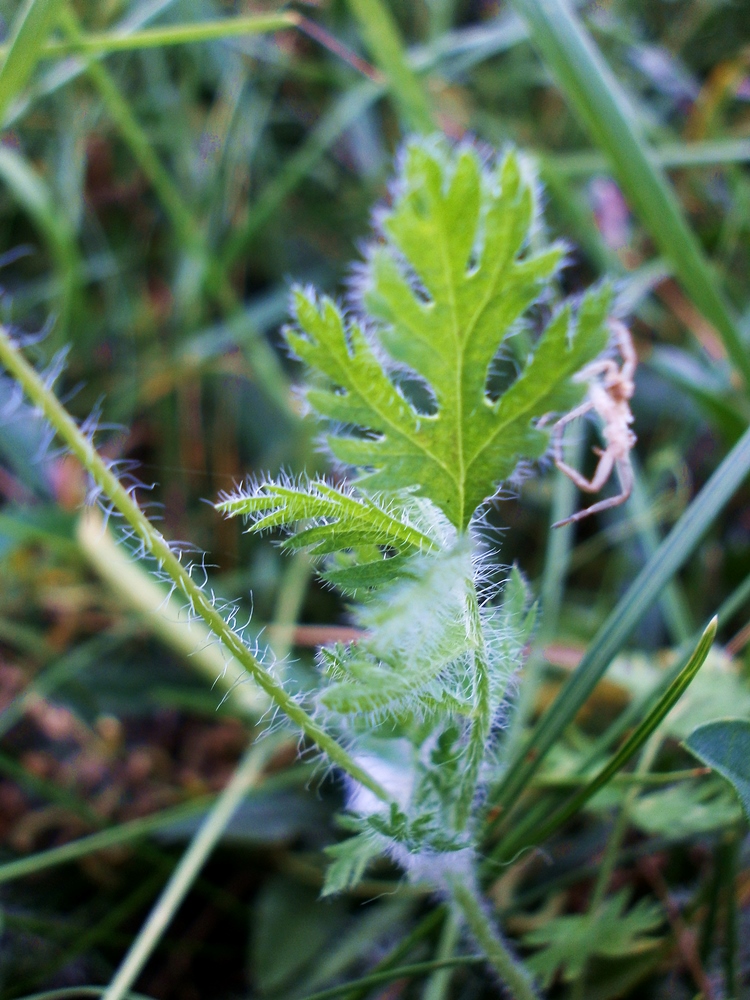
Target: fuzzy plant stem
[(481, 721), (42, 396), (513, 975)]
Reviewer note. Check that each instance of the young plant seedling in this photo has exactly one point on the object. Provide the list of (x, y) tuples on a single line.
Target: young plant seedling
[(401, 385), (412, 713)]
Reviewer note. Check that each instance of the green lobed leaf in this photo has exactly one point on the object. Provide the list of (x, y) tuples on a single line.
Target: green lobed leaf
[(377, 535), (569, 942), (414, 632), (350, 859), (453, 277), (685, 810), (724, 745)]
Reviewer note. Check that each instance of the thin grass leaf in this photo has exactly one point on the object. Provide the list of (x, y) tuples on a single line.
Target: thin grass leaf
[(346, 110), (634, 742), (76, 992), (707, 389), (131, 130), (417, 969), (102, 43), (602, 104), (123, 833), (246, 776), (33, 195), (31, 26), (205, 267), (641, 595), (61, 74), (670, 155), (382, 38), (674, 607), (471, 45)]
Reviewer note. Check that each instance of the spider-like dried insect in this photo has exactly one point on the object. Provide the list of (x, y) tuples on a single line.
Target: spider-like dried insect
[(610, 390)]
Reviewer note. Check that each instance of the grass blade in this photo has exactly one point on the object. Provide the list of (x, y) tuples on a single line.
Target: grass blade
[(642, 593), (33, 195), (389, 975), (31, 26), (346, 110), (245, 777), (601, 103), (674, 607), (173, 34), (125, 120), (270, 373), (668, 155), (520, 837), (124, 833), (382, 38), (60, 74), (77, 992)]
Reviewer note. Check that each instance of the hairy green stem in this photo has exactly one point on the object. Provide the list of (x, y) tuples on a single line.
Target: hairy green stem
[(481, 717), (512, 973), (157, 546)]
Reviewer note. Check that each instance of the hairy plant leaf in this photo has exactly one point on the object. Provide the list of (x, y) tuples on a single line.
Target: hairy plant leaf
[(413, 632), (350, 859), (454, 275), (569, 942), (330, 519), (724, 745)]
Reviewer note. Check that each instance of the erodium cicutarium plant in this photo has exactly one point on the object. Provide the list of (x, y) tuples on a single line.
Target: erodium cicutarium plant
[(404, 388), (432, 393)]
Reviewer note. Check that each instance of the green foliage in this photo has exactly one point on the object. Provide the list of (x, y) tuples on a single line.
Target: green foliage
[(724, 745), (349, 861), (684, 810), (569, 942), (337, 520), (168, 190), (446, 288), (460, 263)]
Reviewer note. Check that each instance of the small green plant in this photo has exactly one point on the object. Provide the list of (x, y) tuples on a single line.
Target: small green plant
[(428, 435), (434, 394)]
